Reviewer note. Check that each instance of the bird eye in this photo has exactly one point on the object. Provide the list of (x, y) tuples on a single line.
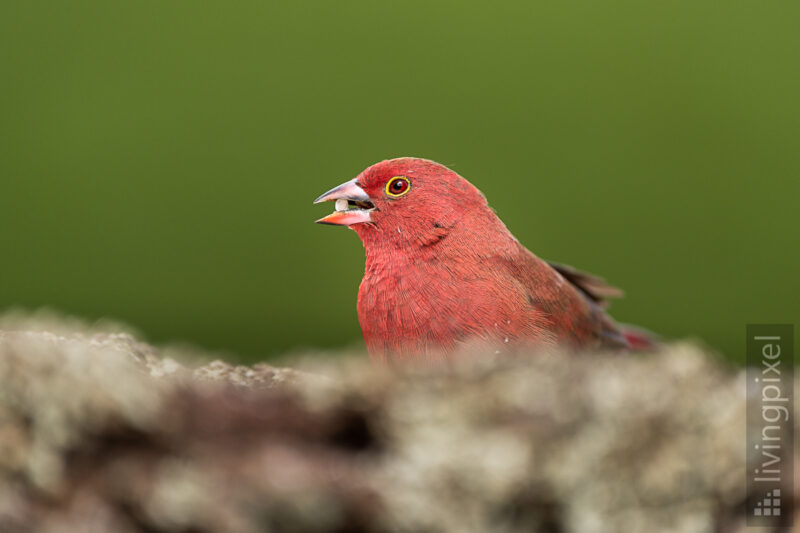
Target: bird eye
[(398, 186)]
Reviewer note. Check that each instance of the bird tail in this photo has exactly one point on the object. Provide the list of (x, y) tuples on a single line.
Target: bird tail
[(640, 339)]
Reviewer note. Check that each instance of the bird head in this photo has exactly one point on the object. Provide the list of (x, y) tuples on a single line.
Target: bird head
[(403, 201)]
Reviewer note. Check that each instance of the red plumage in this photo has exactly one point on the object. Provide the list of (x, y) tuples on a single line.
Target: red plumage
[(442, 269)]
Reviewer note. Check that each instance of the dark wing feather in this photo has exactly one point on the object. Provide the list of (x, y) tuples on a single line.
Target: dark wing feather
[(594, 287)]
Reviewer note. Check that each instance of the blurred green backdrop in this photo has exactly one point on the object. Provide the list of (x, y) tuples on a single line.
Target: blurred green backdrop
[(158, 159)]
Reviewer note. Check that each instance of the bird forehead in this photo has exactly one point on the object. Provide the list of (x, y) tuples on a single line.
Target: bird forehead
[(416, 170)]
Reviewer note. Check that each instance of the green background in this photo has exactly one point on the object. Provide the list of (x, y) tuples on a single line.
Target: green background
[(158, 159)]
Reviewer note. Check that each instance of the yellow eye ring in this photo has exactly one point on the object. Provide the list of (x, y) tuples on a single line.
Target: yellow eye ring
[(397, 186)]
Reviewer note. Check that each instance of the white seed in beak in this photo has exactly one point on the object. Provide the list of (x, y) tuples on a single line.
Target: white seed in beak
[(341, 204)]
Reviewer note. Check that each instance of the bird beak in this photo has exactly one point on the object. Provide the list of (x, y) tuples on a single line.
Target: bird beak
[(353, 205)]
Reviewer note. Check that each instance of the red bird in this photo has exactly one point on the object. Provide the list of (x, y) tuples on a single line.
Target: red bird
[(443, 269)]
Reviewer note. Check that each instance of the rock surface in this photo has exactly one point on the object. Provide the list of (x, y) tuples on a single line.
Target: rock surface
[(100, 432)]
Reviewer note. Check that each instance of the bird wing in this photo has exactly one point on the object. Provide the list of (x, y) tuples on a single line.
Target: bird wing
[(594, 287), (574, 309)]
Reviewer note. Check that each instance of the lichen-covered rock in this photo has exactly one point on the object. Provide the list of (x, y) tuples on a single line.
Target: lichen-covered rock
[(100, 432)]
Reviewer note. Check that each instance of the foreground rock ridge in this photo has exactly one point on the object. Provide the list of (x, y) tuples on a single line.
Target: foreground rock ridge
[(101, 432)]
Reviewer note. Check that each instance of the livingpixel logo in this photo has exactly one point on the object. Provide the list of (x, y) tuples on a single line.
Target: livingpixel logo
[(770, 424)]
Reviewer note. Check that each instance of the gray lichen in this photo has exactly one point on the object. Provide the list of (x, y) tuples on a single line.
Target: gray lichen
[(100, 432)]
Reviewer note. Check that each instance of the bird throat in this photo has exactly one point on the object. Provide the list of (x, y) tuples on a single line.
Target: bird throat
[(378, 239)]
